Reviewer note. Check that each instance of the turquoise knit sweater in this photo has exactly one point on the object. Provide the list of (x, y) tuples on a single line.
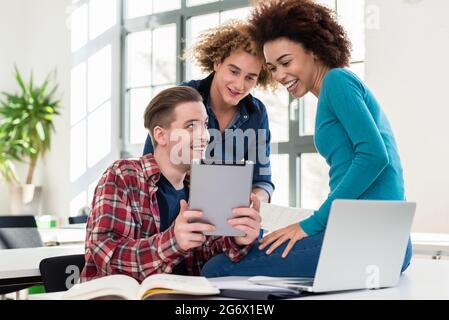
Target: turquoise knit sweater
[(355, 137)]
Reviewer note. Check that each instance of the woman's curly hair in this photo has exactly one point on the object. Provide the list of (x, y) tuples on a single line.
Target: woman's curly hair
[(216, 44), (302, 21)]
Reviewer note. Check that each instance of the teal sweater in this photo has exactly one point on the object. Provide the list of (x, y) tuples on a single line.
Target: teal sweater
[(354, 136)]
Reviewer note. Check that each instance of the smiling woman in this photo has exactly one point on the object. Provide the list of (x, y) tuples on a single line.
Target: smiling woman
[(306, 50)]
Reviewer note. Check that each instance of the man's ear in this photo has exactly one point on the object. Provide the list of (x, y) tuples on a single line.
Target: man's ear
[(216, 66), (160, 136)]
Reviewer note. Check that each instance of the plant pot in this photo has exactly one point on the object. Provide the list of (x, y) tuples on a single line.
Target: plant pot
[(25, 199)]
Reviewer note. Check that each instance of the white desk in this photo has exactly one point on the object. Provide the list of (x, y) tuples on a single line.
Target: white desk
[(425, 279), (63, 235), (18, 266), (434, 244)]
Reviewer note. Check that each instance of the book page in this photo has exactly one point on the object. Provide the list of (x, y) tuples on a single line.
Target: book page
[(114, 285), (184, 284), (275, 217)]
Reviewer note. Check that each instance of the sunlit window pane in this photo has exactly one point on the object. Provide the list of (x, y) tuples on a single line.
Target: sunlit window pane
[(78, 151), (99, 78), (314, 180), (158, 89), (139, 59), (191, 3), (277, 108), (77, 203), (280, 178), (308, 114), (102, 16), (79, 27), (351, 14), (196, 26), (166, 5), (91, 190), (138, 101), (99, 134), (164, 55), (328, 3), (241, 14), (137, 8), (78, 93), (358, 69)]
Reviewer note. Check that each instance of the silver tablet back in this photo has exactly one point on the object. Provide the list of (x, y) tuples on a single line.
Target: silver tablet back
[(216, 189)]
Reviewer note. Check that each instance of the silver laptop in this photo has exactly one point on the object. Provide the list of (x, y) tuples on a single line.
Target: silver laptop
[(364, 247)]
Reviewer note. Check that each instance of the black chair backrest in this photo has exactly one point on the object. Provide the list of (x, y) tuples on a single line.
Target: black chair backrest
[(61, 273), (77, 219), (18, 222), (19, 232)]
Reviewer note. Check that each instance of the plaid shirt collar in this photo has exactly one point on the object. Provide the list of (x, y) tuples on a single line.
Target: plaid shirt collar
[(152, 172)]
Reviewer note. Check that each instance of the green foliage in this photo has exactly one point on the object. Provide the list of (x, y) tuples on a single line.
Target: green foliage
[(26, 124)]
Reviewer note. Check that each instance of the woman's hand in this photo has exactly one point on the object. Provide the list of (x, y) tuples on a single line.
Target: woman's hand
[(293, 233)]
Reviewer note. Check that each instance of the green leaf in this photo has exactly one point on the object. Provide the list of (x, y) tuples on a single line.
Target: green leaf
[(20, 80), (49, 109), (40, 131), (31, 86)]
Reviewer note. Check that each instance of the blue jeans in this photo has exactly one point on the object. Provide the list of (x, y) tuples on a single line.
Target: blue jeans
[(302, 261)]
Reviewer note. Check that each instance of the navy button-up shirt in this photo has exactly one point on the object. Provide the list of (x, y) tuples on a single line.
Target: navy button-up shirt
[(246, 137)]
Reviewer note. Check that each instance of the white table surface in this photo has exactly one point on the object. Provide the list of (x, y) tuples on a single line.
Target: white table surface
[(430, 243), (18, 263), (63, 235), (425, 279)]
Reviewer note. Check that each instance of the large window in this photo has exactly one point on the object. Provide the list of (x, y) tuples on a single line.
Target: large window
[(94, 110), (145, 39)]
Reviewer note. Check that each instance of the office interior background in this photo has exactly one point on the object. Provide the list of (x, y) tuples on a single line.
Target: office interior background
[(112, 56)]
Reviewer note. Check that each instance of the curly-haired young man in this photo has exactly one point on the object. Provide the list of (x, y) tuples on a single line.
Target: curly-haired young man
[(238, 122)]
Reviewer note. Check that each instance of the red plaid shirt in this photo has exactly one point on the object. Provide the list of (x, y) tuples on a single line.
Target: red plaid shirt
[(123, 229)]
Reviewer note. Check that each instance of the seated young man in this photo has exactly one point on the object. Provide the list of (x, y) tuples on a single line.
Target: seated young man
[(139, 223)]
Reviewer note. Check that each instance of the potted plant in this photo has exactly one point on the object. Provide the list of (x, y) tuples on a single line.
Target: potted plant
[(26, 125)]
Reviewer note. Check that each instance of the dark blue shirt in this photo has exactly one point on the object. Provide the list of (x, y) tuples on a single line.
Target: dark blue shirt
[(251, 122), (168, 199)]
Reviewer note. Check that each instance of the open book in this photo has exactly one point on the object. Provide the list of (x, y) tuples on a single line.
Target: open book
[(125, 287)]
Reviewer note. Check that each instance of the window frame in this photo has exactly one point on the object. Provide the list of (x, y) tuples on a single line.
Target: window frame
[(297, 144)]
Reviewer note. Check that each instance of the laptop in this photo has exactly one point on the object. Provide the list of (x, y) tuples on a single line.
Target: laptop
[(364, 247)]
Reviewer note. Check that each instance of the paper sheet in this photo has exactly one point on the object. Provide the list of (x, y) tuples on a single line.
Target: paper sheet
[(275, 217)]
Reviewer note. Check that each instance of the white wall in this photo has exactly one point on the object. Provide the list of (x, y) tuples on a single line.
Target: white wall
[(12, 34), (407, 68), (13, 48), (34, 34), (49, 48)]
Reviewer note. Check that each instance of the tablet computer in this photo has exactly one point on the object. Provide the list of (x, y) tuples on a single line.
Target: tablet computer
[(218, 187)]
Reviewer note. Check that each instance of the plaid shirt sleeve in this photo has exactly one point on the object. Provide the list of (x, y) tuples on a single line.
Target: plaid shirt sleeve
[(111, 235)]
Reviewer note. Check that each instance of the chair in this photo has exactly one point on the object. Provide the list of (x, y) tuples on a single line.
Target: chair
[(18, 232), (60, 273), (77, 219)]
